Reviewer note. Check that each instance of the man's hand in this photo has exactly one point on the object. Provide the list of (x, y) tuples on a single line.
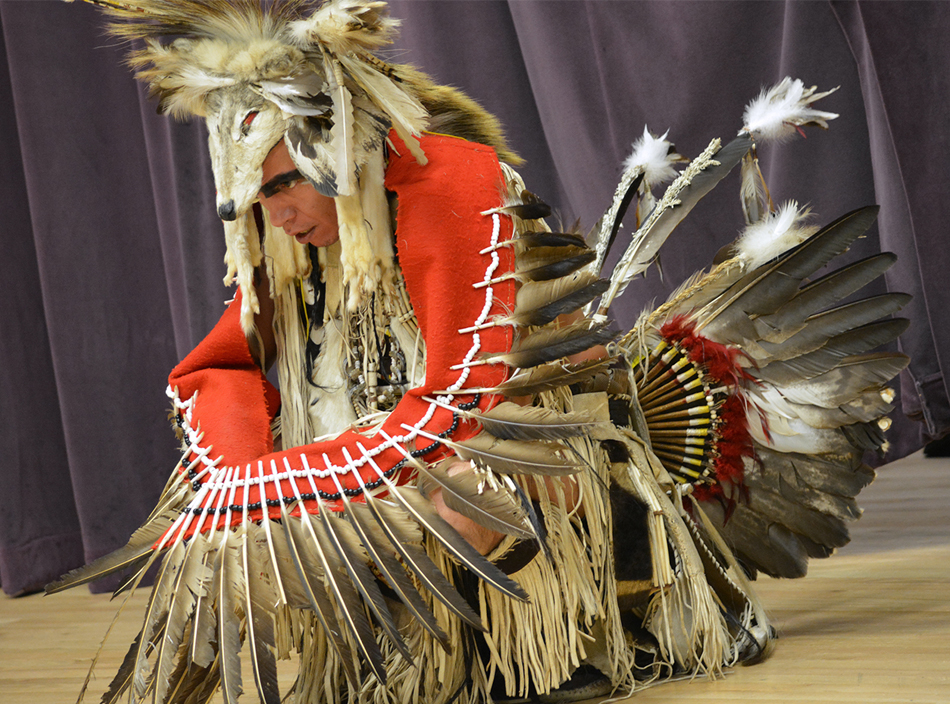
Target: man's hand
[(482, 539)]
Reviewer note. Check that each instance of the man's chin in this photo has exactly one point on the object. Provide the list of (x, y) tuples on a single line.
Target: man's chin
[(318, 239)]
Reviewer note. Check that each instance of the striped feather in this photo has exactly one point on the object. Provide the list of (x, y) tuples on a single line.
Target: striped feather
[(391, 521), (425, 514), (345, 541), (480, 496)]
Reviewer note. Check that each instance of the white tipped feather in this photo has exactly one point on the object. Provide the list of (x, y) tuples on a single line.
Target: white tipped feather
[(778, 232), (655, 157), (779, 111)]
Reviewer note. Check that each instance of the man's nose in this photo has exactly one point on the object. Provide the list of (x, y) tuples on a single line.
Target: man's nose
[(280, 216)]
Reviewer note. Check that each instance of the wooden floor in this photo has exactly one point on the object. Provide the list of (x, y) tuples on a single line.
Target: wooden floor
[(869, 625)]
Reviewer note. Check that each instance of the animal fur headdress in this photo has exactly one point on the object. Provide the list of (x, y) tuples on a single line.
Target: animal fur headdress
[(259, 72)]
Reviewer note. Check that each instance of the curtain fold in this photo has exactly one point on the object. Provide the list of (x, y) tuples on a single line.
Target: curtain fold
[(113, 254)]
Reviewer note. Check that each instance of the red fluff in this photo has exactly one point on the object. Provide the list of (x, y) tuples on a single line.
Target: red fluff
[(718, 361)]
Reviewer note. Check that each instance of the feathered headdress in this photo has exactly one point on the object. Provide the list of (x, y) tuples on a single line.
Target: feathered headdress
[(305, 73)]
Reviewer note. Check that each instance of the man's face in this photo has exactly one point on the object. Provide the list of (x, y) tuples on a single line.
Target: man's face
[(293, 204)]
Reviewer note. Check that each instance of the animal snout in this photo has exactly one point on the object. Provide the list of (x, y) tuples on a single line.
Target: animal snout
[(227, 211)]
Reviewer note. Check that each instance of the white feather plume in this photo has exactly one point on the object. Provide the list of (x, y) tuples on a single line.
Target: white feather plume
[(347, 26), (655, 157), (775, 233), (778, 111)]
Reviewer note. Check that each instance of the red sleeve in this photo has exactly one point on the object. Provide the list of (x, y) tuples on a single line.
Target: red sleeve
[(445, 249)]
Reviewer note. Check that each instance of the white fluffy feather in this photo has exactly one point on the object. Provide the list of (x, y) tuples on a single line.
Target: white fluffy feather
[(347, 26), (655, 156), (778, 111), (777, 232)]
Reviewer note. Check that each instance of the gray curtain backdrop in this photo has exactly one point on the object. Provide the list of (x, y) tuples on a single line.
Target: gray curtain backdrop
[(112, 254)]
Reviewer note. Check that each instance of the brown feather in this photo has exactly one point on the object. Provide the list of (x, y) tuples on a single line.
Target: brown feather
[(391, 521), (478, 495), (550, 344), (345, 541), (382, 555), (511, 421), (345, 596), (424, 513), (259, 600), (311, 580), (552, 376), (540, 302), (515, 456), (138, 547), (228, 589)]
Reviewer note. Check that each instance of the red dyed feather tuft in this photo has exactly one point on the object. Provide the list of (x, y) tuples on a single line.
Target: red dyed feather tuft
[(717, 360), (734, 442)]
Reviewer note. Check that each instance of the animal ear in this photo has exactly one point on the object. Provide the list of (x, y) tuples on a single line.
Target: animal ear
[(347, 26)]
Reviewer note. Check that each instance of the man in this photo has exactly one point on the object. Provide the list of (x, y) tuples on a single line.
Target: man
[(413, 293)]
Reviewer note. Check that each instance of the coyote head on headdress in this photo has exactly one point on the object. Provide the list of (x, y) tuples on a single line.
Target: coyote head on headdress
[(260, 73)]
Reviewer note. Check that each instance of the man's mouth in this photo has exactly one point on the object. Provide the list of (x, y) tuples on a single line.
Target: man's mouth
[(302, 237)]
